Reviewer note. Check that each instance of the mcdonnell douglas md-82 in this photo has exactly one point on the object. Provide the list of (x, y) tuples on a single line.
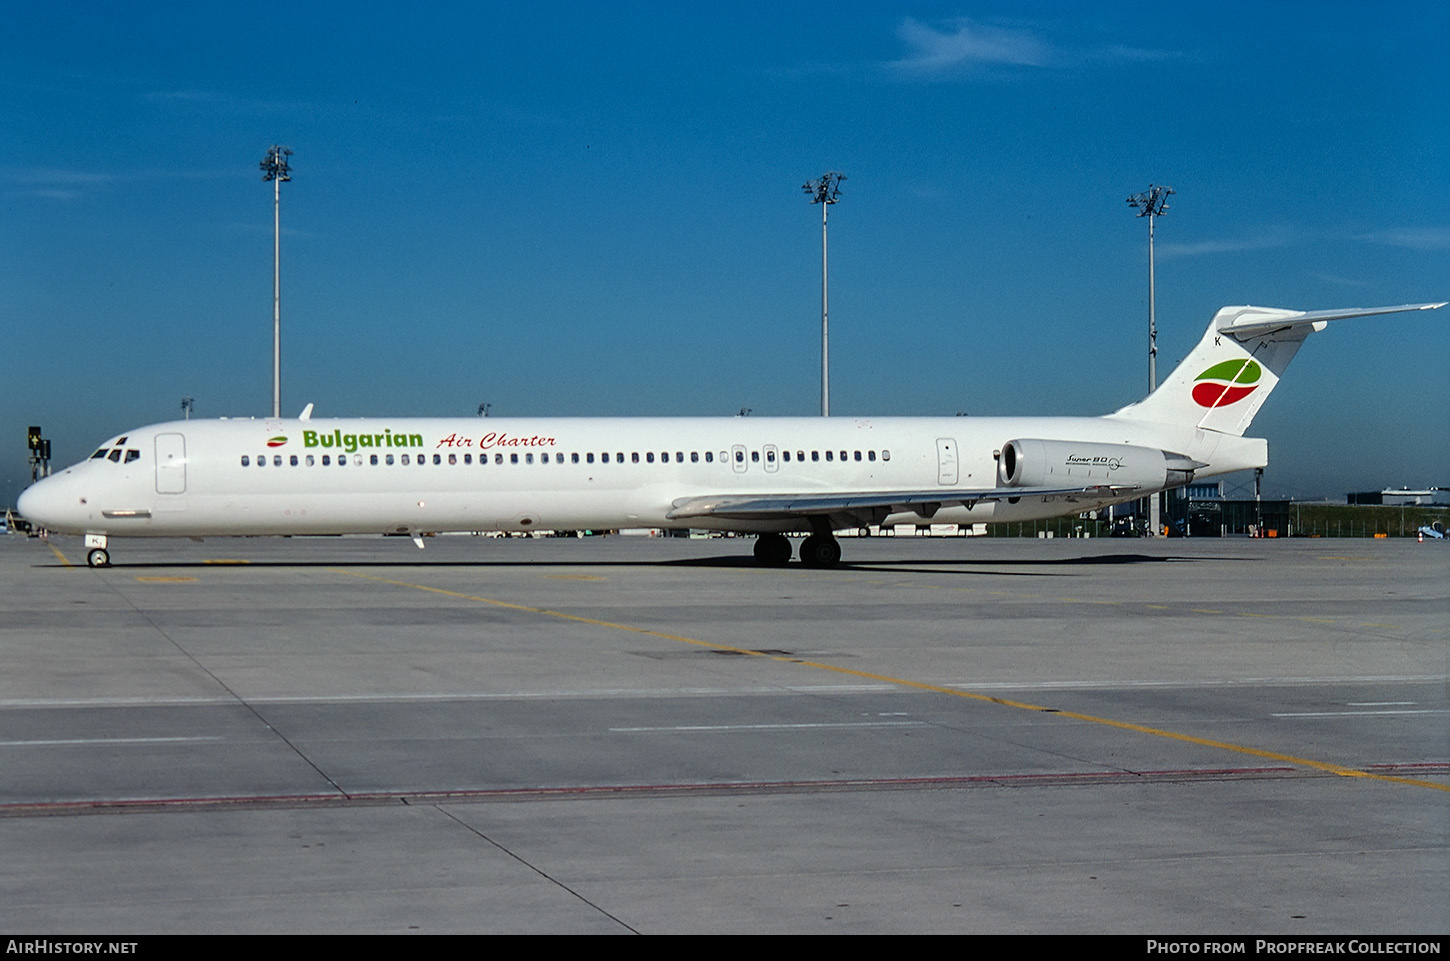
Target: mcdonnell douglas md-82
[(768, 476)]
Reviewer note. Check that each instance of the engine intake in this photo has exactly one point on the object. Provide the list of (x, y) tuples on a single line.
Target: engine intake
[(1062, 463)]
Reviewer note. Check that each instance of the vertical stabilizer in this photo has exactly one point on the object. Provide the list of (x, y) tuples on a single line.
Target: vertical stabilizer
[(1224, 381)]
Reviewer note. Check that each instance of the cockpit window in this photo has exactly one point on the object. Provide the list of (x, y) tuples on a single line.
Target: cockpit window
[(100, 454), (132, 454), (115, 455)]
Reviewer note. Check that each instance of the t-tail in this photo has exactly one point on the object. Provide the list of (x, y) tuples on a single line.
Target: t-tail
[(1224, 381)]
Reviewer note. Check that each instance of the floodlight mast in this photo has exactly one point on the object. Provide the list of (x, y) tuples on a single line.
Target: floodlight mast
[(825, 191), (1152, 205), (276, 169)]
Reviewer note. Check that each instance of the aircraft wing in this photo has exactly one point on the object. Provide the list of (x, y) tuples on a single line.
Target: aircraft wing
[(865, 508)]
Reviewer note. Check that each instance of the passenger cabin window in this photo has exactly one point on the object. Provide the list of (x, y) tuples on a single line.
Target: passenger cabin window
[(246, 461)]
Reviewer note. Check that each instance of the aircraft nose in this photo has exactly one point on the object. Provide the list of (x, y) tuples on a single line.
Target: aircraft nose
[(43, 503)]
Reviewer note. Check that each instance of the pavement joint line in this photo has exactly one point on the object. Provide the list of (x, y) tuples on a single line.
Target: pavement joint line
[(143, 805), (1337, 769)]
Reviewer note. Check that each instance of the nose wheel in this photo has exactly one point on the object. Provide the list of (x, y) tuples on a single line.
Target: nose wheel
[(98, 557)]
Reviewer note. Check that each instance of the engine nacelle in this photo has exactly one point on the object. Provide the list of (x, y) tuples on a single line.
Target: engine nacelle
[(1063, 463)]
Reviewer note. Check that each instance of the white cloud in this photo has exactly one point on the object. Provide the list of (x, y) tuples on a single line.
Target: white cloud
[(52, 183), (1264, 241), (958, 46), (1414, 238), (964, 43)]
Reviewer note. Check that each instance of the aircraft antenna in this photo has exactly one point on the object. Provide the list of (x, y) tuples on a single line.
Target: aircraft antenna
[(276, 169), (825, 191)]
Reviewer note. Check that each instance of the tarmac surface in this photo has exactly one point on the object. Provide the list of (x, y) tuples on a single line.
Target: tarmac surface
[(617, 735)]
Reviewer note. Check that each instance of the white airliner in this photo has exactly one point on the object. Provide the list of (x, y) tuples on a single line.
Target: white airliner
[(768, 476)]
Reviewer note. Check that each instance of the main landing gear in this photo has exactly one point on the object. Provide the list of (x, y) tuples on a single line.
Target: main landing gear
[(820, 550), (772, 550), (817, 550)]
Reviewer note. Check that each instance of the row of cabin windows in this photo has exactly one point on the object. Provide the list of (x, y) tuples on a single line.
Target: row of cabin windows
[(327, 460)]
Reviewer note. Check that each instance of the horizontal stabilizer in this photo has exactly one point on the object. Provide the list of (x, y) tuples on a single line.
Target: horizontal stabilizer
[(1243, 322)]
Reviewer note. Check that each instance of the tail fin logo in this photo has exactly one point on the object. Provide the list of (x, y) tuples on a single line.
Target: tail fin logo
[(1226, 383)]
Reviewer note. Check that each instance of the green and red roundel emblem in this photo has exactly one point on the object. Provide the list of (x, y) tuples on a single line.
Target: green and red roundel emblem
[(277, 441), (1226, 383)]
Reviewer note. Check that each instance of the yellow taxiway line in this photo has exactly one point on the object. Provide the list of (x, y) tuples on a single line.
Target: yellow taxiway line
[(1337, 769)]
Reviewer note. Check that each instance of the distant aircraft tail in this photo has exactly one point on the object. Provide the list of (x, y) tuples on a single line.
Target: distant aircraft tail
[(1224, 381)]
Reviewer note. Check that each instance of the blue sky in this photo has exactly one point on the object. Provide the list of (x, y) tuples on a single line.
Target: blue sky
[(564, 208)]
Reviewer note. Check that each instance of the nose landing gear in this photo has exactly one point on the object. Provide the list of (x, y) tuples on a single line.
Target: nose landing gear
[(96, 553)]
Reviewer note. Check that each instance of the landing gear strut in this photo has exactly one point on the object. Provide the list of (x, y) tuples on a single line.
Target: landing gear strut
[(820, 550), (772, 550)]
